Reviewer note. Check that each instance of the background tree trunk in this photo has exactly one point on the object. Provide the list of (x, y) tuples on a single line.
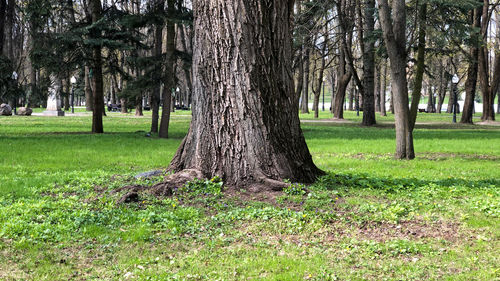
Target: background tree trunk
[(305, 92), (342, 83), (157, 51), (489, 85), (169, 72), (88, 91), (377, 88), (471, 82), (245, 128), (419, 76), (384, 90)]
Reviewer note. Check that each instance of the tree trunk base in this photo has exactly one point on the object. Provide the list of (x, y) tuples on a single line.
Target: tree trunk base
[(177, 180)]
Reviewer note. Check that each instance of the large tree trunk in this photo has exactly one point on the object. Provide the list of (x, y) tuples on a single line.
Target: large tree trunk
[(471, 82), (97, 81), (369, 66), (245, 128), (169, 73), (395, 39)]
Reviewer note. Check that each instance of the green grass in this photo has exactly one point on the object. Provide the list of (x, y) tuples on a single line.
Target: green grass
[(371, 218)]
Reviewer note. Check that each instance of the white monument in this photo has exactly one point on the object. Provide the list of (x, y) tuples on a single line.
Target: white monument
[(54, 99)]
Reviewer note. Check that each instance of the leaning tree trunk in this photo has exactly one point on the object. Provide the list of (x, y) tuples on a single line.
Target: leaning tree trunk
[(244, 128), (471, 82)]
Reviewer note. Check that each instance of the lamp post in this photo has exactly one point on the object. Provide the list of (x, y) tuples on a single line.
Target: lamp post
[(73, 82), (14, 77), (455, 80)]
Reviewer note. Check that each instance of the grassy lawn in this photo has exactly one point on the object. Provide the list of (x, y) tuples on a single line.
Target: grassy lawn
[(371, 218)]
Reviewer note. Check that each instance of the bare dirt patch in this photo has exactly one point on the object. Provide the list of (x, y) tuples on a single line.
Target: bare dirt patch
[(411, 230)]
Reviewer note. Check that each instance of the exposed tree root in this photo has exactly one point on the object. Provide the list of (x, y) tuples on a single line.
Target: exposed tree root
[(175, 181)]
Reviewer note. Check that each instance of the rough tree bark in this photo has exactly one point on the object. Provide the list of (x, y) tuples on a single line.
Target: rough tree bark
[(394, 30), (97, 80), (169, 72), (471, 82), (244, 127)]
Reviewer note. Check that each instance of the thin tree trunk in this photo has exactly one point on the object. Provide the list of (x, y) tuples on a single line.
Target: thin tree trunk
[(169, 72), (305, 92), (377, 88), (383, 111), (441, 88), (237, 131), (319, 79)]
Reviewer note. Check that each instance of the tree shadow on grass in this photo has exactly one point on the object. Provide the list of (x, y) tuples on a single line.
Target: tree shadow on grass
[(385, 131), (358, 181)]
